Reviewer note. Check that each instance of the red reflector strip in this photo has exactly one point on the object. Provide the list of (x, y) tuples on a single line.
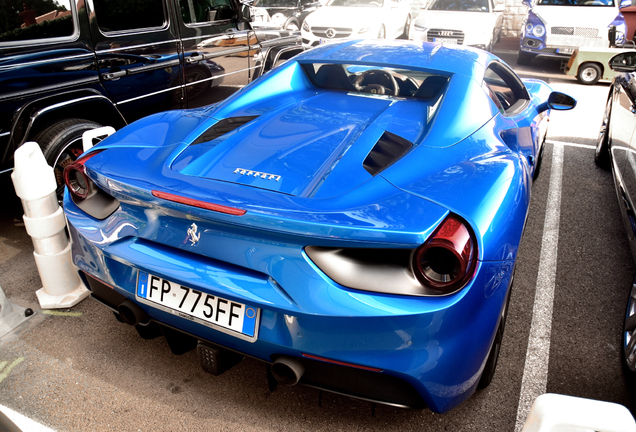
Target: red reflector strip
[(99, 280), (367, 368), (198, 203)]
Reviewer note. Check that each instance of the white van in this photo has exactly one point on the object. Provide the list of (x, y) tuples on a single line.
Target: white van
[(555, 28)]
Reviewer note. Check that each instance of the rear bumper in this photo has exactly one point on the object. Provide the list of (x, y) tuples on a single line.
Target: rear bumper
[(422, 351)]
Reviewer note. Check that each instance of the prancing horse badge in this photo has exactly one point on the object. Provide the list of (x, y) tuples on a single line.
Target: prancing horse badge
[(192, 235)]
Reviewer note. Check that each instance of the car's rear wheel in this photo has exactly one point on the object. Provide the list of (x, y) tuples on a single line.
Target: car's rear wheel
[(524, 59), (61, 144), (491, 363), (589, 73), (629, 335), (601, 155), (537, 168)]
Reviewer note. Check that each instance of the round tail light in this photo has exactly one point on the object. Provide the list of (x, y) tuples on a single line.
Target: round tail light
[(446, 262), (76, 179)]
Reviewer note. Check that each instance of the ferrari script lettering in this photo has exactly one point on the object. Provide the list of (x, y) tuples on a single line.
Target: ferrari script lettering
[(266, 176)]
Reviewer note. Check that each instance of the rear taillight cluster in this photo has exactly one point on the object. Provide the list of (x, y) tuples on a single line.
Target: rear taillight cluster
[(446, 262), (79, 184)]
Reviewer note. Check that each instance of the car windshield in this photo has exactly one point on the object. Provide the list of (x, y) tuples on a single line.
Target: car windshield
[(378, 80), (276, 3), (459, 5), (576, 2), (357, 3)]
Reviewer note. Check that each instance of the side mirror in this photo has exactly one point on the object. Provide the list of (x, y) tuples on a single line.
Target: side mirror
[(625, 3), (527, 2), (561, 101), (623, 62)]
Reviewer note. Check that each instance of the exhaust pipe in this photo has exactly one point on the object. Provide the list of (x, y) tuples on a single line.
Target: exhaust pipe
[(287, 370), (131, 313)]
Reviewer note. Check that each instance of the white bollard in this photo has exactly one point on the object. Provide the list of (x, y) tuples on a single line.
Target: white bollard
[(35, 184), (555, 412)]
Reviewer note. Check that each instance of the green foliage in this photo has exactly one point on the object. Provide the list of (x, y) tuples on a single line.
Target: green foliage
[(9, 10), (46, 29)]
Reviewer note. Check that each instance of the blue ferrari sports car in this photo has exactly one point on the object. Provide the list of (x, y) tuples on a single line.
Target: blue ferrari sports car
[(352, 219)]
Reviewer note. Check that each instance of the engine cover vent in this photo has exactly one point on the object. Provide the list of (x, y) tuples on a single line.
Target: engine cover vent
[(386, 151), (222, 127)]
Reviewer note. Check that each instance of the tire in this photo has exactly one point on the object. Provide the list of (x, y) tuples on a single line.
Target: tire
[(602, 153), (407, 28), (524, 59), (491, 363), (628, 353), (589, 73), (382, 32), (537, 168), (61, 144)]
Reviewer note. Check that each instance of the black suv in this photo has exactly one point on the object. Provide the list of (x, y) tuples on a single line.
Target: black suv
[(68, 66)]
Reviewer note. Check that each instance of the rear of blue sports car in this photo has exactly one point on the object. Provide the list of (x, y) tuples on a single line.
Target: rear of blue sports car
[(360, 243)]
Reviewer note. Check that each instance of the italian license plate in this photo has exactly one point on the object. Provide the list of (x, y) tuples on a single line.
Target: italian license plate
[(565, 50), (225, 315), (445, 40)]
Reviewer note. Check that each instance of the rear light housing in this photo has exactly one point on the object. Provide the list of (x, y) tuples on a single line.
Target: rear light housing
[(447, 261), (77, 181), (85, 193)]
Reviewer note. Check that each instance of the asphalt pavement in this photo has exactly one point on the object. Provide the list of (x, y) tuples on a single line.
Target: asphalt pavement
[(81, 370)]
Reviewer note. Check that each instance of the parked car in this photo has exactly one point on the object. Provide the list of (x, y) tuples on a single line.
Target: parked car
[(555, 28), (352, 219), (355, 19), (286, 14), (63, 72), (476, 23), (615, 151), (589, 65)]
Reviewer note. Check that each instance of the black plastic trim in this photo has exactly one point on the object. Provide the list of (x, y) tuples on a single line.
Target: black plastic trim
[(222, 127)]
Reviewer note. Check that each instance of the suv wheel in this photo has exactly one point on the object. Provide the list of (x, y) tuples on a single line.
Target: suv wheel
[(61, 144)]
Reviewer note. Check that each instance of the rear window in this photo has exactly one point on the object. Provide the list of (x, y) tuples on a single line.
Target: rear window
[(22, 21), (377, 80), (576, 2), (357, 3), (124, 15), (460, 5)]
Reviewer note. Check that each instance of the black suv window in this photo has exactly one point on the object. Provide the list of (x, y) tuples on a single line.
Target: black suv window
[(200, 11), (121, 15), (22, 20)]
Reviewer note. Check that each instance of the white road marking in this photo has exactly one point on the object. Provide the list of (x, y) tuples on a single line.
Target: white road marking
[(24, 423), (569, 144), (535, 372)]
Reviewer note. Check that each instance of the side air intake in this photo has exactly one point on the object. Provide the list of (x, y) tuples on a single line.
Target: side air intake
[(222, 127), (386, 151)]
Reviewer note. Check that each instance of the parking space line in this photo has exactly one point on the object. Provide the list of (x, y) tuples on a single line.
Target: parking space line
[(569, 144), (61, 313), (5, 372), (535, 371)]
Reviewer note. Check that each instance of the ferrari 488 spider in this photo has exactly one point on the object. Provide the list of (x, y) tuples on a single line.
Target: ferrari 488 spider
[(352, 219)]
